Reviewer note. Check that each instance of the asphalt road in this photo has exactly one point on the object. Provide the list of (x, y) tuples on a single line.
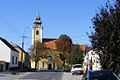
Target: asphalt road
[(40, 76)]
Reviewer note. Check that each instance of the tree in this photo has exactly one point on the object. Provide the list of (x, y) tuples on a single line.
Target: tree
[(76, 55), (106, 38), (36, 52), (64, 45)]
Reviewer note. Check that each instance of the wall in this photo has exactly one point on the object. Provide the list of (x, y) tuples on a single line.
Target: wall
[(32, 64), (4, 52), (94, 60), (15, 54)]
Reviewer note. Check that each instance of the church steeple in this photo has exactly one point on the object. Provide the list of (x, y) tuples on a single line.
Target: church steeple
[(37, 30), (38, 20)]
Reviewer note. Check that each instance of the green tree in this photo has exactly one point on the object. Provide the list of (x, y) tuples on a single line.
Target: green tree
[(76, 55), (106, 38), (36, 52), (64, 45)]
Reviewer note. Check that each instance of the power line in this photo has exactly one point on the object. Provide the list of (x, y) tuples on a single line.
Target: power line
[(12, 28), (15, 30)]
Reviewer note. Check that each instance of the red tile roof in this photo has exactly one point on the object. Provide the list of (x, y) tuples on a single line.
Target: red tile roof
[(83, 47), (50, 43)]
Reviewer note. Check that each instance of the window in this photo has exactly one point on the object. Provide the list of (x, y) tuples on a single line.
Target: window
[(37, 32), (16, 61), (12, 59)]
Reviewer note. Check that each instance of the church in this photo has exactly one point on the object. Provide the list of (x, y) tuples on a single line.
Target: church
[(49, 44), (37, 35)]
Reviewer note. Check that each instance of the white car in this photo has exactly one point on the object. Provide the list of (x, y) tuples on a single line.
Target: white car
[(76, 69)]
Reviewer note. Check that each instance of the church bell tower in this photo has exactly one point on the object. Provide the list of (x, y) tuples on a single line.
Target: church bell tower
[(37, 30)]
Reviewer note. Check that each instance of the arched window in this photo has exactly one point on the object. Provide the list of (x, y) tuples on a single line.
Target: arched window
[(37, 32)]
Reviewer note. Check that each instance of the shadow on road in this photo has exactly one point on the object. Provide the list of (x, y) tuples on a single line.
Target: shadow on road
[(44, 75), (2, 75), (50, 71)]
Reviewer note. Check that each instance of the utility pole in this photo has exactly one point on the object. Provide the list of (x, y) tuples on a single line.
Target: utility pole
[(87, 57), (23, 38), (23, 43)]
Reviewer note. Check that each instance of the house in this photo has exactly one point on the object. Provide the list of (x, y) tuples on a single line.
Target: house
[(8, 56), (24, 58), (92, 61)]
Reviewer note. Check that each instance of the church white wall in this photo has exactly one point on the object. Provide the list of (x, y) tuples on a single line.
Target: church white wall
[(32, 36), (39, 36), (36, 37)]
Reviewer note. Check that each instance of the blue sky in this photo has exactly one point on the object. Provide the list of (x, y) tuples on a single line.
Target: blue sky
[(71, 17)]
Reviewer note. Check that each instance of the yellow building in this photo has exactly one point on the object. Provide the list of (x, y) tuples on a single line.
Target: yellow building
[(24, 59)]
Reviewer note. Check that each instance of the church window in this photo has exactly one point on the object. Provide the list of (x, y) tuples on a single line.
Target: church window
[(37, 32)]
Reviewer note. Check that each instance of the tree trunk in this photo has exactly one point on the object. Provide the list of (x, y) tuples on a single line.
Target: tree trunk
[(36, 62), (54, 66), (64, 65), (43, 64)]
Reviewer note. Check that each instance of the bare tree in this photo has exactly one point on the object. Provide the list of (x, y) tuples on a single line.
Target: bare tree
[(36, 52)]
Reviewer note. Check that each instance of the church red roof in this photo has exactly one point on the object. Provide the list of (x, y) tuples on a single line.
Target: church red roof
[(50, 43)]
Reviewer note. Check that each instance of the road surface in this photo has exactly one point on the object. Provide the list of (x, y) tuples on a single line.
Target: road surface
[(40, 76)]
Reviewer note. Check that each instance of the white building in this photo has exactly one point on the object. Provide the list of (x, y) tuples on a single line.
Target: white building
[(37, 30), (92, 61), (8, 56)]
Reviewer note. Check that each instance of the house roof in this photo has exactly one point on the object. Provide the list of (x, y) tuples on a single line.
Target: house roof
[(15, 45), (8, 44), (22, 50), (50, 43), (48, 39), (83, 47)]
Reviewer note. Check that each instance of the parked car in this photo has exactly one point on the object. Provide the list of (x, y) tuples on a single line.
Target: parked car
[(100, 75), (76, 69)]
